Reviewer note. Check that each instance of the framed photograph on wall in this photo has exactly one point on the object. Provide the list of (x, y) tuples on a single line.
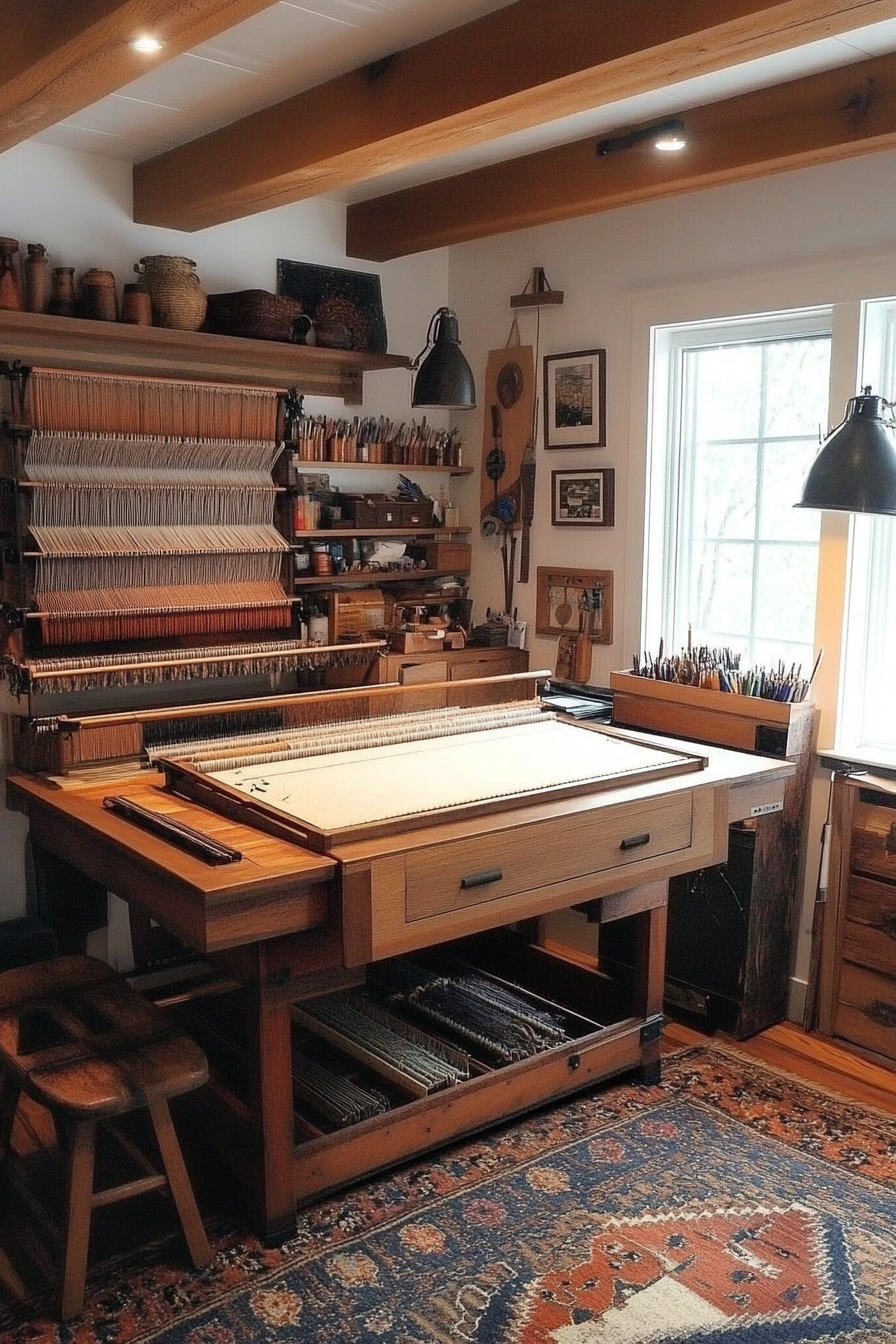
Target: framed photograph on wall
[(559, 595), (583, 497), (575, 410)]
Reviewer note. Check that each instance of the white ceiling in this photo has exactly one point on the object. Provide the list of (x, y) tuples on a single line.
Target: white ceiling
[(294, 46)]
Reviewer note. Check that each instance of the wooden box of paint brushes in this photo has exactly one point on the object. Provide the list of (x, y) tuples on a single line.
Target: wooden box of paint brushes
[(748, 722)]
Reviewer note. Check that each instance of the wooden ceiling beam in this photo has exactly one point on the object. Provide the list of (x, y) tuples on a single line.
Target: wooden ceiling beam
[(56, 59), (839, 114), (529, 63)]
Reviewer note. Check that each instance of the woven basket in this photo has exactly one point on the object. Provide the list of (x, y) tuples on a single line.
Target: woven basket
[(252, 312), (178, 299)]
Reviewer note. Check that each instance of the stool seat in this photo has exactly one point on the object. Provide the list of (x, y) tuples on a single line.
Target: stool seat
[(79, 1041)]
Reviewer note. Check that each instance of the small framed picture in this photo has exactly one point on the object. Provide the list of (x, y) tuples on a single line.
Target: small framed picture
[(575, 412), (583, 498), (569, 600)]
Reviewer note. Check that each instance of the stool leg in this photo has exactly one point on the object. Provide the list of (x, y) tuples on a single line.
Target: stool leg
[(10, 1279), (76, 1227), (179, 1184), (9, 1103)]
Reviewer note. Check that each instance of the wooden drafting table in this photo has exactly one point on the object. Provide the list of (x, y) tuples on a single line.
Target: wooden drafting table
[(290, 921)]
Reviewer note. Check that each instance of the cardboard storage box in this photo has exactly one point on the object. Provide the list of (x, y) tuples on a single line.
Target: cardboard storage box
[(383, 511), (416, 513), (416, 641), (451, 555)]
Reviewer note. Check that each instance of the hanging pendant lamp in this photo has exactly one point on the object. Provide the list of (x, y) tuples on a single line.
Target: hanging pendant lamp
[(855, 470), (444, 378)]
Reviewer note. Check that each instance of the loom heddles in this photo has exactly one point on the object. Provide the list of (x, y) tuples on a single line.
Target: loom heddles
[(112, 404), (225, 660), (301, 742), (152, 509)]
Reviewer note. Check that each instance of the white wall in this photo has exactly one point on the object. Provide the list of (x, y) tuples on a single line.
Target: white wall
[(79, 206), (817, 236)]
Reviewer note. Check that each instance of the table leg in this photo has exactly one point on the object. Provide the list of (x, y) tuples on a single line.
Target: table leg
[(270, 1082), (649, 983), (71, 903)]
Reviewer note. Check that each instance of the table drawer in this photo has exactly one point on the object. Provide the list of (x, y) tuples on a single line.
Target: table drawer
[(873, 847), (446, 878), (866, 1009)]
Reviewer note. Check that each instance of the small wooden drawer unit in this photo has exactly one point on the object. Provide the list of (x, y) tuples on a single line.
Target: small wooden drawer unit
[(860, 932)]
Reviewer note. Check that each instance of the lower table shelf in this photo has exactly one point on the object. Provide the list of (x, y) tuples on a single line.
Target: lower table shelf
[(602, 1035)]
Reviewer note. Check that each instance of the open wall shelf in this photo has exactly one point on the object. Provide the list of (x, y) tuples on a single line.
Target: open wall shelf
[(116, 347)]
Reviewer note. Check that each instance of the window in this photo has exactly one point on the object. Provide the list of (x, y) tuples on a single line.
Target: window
[(866, 721), (736, 410)]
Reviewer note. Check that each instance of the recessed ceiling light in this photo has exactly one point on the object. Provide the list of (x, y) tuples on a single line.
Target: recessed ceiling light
[(666, 135), (148, 45), (670, 142)]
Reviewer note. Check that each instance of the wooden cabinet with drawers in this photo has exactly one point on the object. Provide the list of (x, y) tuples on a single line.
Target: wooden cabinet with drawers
[(857, 999), (451, 664)]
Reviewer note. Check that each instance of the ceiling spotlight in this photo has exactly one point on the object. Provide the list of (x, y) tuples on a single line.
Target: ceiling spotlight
[(147, 45), (671, 140), (666, 135)]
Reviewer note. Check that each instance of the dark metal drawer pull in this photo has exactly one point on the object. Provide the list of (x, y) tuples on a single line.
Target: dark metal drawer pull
[(635, 841), (482, 879)]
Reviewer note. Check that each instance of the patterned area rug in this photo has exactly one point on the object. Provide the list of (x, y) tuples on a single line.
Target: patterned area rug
[(728, 1205)]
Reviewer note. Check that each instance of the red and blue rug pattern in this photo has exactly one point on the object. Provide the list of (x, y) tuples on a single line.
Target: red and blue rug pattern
[(727, 1205)]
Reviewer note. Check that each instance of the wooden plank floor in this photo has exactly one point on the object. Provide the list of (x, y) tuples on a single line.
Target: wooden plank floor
[(815, 1058)]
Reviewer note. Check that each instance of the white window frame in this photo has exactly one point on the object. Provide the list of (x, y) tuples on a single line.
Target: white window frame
[(664, 467), (869, 620)]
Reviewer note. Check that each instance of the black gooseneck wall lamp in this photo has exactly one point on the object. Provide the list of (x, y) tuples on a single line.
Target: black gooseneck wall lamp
[(443, 376), (855, 470)]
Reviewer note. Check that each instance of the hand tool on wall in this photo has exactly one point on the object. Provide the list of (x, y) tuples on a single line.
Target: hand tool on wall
[(496, 462), (505, 510), (527, 497)]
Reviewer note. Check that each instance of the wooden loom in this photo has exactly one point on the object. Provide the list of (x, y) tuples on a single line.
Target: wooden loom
[(143, 564)]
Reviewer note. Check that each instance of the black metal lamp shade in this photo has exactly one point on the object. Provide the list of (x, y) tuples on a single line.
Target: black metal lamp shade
[(444, 378), (855, 471)]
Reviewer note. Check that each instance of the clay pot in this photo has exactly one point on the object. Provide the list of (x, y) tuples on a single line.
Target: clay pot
[(36, 272), (62, 296), (333, 335), (99, 296), (136, 306), (178, 299), (10, 292)]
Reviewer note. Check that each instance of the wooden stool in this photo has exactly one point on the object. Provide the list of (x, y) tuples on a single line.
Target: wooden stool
[(77, 1039)]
